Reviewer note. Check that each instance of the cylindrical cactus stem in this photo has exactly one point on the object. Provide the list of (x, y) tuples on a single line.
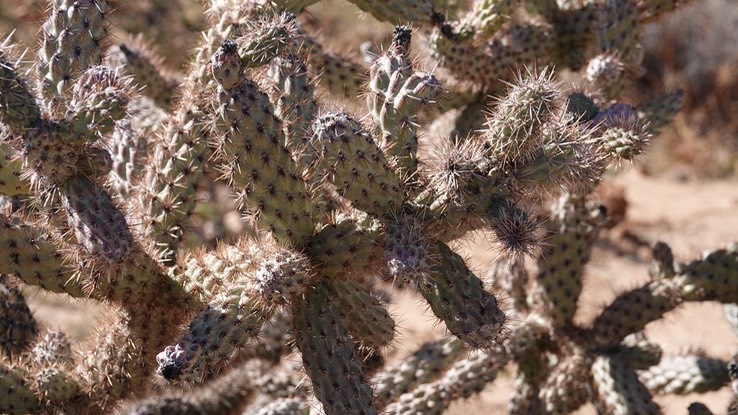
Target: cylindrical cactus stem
[(294, 101), (346, 246), (463, 379), (99, 98), (348, 158), (18, 397), (621, 135), (396, 95), (572, 232), (18, 107), (252, 154), (509, 276), (632, 310), (486, 17), (338, 74), (403, 11), (574, 29), (423, 366), (367, 320), (565, 388), (257, 286), (228, 395), (514, 131), (98, 224), (35, 260), (17, 326), (328, 354), (714, 277), (72, 40), (147, 70), (485, 64), (266, 40), (617, 30), (683, 374), (660, 110), (458, 298), (638, 353), (617, 389), (11, 183), (129, 143)]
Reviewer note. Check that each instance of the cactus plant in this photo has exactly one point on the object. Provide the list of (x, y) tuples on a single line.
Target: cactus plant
[(108, 166)]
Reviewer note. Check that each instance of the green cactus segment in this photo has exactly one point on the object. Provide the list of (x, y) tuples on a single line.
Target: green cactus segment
[(227, 395), (99, 99), (617, 29), (294, 101), (55, 384), (423, 366), (396, 95), (419, 12), (638, 352), (11, 183), (660, 110), (147, 72), (457, 297), (72, 40), (486, 17), (129, 143), (573, 231), (204, 276), (632, 310), (465, 378), (484, 65), (328, 354), (345, 247), (338, 74), (366, 318), (618, 390), (513, 132), (508, 276), (18, 107), (622, 136), (265, 42), (35, 260), (253, 157), (574, 28), (17, 325), (525, 399), (18, 397), (565, 388), (98, 224), (580, 107), (686, 374), (712, 278), (173, 176), (247, 290), (348, 158)]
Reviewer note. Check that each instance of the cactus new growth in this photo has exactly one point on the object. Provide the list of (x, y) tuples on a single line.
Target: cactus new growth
[(106, 158)]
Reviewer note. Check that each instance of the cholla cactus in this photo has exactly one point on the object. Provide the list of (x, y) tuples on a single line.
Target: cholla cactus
[(107, 167)]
